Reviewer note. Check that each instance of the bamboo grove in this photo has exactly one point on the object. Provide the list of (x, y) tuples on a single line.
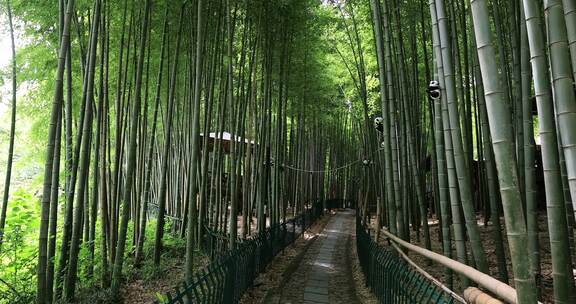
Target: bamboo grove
[(448, 122), (175, 118), (504, 72)]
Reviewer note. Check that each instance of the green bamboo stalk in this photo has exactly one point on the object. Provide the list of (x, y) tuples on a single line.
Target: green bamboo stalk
[(441, 157), (492, 182), (84, 160), (529, 152), (391, 195), (131, 163), (411, 156), (7, 180), (442, 111), (570, 16), (565, 109), (562, 82), (502, 141), (462, 169), (47, 186)]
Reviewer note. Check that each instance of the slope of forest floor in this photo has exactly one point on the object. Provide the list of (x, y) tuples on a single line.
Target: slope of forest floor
[(438, 271), (143, 289), (146, 283)]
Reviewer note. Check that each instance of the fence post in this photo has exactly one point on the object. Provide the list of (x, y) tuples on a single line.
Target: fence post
[(294, 222), (378, 210), (303, 221), (230, 273), (229, 290)]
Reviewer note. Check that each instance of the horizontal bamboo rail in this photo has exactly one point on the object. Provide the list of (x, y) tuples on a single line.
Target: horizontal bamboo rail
[(427, 275), (474, 295), (499, 289)]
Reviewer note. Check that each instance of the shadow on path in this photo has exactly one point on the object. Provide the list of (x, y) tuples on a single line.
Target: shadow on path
[(324, 275)]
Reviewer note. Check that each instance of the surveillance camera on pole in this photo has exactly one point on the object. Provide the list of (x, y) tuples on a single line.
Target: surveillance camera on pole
[(433, 90), (378, 124)]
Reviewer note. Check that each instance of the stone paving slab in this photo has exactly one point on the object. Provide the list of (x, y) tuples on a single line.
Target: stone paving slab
[(314, 297), (317, 283), (319, 279), (317, 290), (323, 275)]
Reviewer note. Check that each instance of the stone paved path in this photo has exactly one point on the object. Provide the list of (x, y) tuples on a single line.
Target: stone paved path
[(324, 273)]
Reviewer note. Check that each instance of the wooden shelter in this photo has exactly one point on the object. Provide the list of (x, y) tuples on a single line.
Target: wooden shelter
[(225, 138)]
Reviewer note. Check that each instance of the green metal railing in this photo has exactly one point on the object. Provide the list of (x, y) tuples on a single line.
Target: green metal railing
[(232, 272), (390, 278)]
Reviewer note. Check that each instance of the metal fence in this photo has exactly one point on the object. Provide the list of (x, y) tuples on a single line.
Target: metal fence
[(390, 278), (232, 272)]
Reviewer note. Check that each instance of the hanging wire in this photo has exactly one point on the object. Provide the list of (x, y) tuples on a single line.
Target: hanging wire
[(334, 169)]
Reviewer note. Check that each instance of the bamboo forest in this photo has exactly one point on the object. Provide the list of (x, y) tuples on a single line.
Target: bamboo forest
[(288, 151)]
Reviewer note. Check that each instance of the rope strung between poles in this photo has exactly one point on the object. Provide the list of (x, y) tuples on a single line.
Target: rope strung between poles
[(364, 160), (322, 171), (378, 125)]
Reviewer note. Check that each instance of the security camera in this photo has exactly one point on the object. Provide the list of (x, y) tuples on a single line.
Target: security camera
[(378, 124), (434, 90)]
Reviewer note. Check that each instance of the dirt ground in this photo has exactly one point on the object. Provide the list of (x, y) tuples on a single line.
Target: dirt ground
[(144, 284), (139, 289), (438, 271)]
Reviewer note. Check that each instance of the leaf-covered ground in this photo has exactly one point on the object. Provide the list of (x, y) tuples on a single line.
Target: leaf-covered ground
[(546, 287)]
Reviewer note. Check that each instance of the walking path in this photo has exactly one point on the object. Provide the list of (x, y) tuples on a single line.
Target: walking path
[(324, 275)]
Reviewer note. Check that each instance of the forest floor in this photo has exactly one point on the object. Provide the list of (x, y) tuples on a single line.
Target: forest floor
[(438, 271), (144, 283), (142, 289)]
